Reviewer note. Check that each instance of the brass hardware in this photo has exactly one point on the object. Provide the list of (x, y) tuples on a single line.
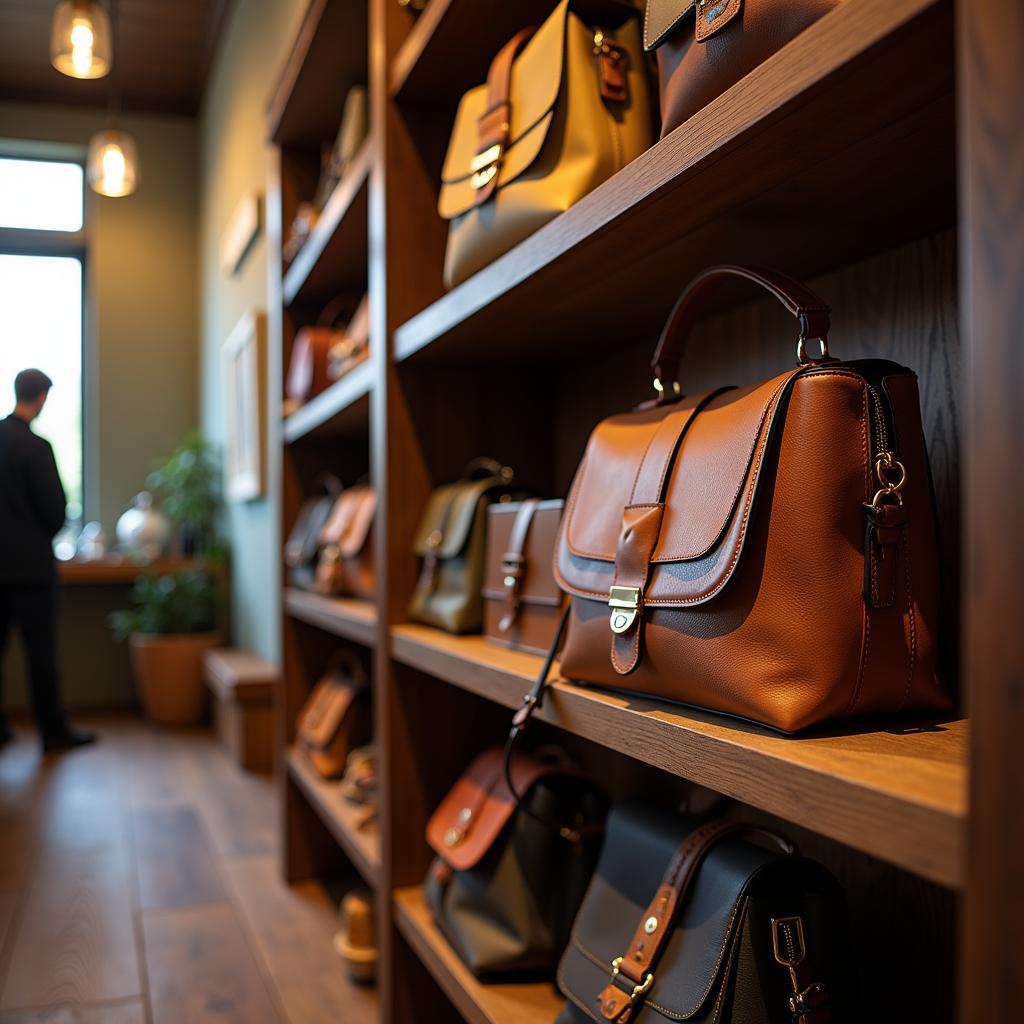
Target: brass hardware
[(651, 925), (660, 388), (485, 166), (625, 605), (434, 539), (638, 990), (890, 485), (513, 569), (802, 356), (788, 940), (598, 40), (453, 837), (465, 815)]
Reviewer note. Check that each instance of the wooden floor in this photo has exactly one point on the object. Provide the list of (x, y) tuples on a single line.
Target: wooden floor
[(138, 885)]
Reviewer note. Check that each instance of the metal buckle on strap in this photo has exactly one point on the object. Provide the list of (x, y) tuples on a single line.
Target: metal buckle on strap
[(512, 570), (485, 165), (625, 605), (638, 990)]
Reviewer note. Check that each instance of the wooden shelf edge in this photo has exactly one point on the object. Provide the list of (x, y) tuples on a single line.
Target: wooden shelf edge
[(331, 220), (899, 797), (345, 617), (688, 152), (501, 1003), (416, 42), (278, 102), (361, 846), (340, 398)]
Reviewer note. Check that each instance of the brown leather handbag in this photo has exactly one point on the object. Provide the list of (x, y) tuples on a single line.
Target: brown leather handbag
[(310, 362), (522, 601), (727, 40), (769, 551), (335, 720), (345, 565), (302, 549)]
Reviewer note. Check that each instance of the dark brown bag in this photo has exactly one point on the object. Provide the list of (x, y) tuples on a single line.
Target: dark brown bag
[(699, 57), (522, 601), (345, 564), (335, 720), (769, 551), (302, 549)]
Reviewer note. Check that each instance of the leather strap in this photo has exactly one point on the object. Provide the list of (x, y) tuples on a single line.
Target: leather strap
[(633, 973), (494, 124), (513, 562), (811, 312)]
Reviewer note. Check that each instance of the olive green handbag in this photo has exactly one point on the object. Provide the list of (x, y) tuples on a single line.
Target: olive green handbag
[(451, 542)]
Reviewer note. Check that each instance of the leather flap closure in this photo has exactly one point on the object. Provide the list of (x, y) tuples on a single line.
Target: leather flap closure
[(537, 585), (326, 709), (448, 517), (534, 88), (475, 812), (707, 497), (662, 16), (639, 845), (351, 518)]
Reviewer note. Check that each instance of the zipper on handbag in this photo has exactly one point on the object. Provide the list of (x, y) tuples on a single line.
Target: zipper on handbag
[(809, 1000), (890, 473)]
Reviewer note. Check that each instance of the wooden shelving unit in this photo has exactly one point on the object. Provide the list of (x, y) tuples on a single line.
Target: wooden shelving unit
[(529, 1003), (872, 155), (360, 841)]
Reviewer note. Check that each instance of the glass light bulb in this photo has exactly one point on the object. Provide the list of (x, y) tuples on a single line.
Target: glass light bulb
[(113, 169), (80, 41), (81, 46)]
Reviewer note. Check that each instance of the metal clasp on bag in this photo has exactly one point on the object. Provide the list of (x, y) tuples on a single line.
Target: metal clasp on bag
[(892, 475), (638, 990), (625, 605), (485, 165)]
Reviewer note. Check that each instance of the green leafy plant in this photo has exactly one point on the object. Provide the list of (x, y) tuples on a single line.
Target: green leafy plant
[(189, 485), (180, 602)]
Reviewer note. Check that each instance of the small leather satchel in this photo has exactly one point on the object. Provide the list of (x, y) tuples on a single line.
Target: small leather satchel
[(688, 922), (509, 877), (308, 367), (565, 106), (700, 57), (351, 345), (335, 719), (345, 564), (302, 549), (522, 602), (451, 543), (769, 551)]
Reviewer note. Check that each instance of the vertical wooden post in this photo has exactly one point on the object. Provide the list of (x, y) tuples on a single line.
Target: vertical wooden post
[(990, 44)]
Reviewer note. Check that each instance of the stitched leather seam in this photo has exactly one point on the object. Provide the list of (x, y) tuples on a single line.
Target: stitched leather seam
[(647, 14), (859, 684), (913, 622)]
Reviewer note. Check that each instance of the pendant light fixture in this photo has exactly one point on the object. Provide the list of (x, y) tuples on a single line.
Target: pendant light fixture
[(80, 39), (112, 166)]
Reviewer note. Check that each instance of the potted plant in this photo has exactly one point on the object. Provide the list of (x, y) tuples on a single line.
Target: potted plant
[(189, 483), (172, 622)]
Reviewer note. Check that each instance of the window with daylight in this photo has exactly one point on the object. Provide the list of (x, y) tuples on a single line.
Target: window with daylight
[(41, 299)]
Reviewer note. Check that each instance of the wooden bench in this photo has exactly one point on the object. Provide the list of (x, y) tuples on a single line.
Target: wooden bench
[(242, 685)]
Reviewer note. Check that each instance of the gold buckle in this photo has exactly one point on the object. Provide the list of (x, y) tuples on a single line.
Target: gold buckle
[(638, 990), (485, 166), (512, 569), (625, 605)]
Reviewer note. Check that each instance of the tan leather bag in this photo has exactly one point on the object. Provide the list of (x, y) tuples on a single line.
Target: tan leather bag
[(451, 544), (335, 720), (700, 57), (769, 551), (563, 109), (345, 565), (522, 602)]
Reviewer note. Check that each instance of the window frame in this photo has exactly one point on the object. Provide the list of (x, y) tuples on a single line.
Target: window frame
[(71, 244)]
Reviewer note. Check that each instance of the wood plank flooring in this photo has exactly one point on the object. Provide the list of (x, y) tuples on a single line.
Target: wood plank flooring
[(139, 885)]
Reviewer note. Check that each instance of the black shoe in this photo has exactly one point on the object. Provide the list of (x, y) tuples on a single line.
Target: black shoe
[(67, 739)]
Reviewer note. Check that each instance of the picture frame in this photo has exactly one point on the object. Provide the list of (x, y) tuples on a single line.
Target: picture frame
[(244, 370)]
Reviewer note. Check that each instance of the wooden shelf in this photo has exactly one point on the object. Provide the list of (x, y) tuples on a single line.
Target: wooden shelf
[(840, 146), (504, 1003), (361, 845), (328, 58), (342, 410), (105, 571), (422, 71), (346, 617), (334, 257), (899, 793)]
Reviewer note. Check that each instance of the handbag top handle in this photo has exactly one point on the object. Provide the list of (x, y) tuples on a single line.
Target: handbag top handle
[(809, 310)]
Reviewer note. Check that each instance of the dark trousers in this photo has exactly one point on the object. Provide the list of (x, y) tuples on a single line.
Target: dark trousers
[(33, 609)]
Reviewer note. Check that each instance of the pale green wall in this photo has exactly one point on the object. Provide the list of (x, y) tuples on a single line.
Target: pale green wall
[(233, 163), (142, 298)]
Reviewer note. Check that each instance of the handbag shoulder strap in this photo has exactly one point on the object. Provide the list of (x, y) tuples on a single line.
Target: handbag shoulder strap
[(513, 561)]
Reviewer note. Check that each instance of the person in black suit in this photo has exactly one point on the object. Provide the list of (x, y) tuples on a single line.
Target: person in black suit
[(31, 513)]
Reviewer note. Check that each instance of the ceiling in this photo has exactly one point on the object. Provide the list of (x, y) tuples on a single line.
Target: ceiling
[(162, 54)]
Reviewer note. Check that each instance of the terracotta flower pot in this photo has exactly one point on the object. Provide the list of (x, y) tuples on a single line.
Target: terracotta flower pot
[(169, 672)]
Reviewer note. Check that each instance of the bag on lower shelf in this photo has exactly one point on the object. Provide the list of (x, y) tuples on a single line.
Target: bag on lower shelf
[(335, 719), (508, 876), (696, 922)]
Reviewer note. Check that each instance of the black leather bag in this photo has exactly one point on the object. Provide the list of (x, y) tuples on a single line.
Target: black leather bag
[(703, 923), (508, 878), (302, 549)]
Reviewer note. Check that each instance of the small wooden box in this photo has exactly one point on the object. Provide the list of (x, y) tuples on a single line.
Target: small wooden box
[(242, 685)]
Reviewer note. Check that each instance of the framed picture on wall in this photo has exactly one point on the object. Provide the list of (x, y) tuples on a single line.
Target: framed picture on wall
[(244, 357)]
